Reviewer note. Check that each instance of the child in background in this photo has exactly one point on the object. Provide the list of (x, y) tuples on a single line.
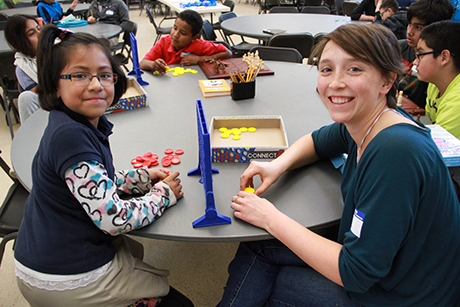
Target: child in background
[(21, 33), (183, 46), (51, 10), (439, 64), (70, 250), (420, 14), (391, 17)]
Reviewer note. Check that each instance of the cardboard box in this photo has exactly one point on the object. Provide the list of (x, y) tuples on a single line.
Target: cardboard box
[(265, 144), (448, 145), (134, 98)]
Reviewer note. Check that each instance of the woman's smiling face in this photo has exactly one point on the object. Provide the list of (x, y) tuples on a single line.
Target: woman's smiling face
[(349, 88)]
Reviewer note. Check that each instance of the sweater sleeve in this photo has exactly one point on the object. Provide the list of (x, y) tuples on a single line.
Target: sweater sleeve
[(97, 193)]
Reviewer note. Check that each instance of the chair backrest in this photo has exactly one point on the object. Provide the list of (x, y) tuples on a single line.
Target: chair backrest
[(8, 80), (348, 7), (11, 210), (230, 4), (311, 2), (3, 19), (227, 16), (316, 9), (151, 16), (303, 42), (283, 9), (332, 5), (10, 4), (208, 31), (131, 27), (284, 54)]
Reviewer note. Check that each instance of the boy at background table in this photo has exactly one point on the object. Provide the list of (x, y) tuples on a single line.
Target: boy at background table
[(420, 14), (438, 63), (51, 10), (183, 46)]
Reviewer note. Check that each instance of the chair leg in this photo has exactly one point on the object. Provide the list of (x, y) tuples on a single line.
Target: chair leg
[(5, 240), (5, 104)]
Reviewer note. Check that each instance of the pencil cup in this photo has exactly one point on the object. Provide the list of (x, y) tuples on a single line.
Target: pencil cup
[(243, 90)]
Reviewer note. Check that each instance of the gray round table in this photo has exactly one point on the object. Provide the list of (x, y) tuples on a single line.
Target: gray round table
[(253, 25), (32, 10), (311, 195)]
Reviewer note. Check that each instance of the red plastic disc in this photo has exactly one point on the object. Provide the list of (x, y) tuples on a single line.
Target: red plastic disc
[(166, 163), (169, 151), (175, 161), (179, 151)]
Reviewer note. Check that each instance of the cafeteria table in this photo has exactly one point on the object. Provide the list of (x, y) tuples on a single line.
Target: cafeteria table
[(311, 195), (178, 6), (253, 25), (81, 8)]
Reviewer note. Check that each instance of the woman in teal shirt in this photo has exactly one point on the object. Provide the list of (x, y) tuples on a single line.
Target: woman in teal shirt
[(399, 237)]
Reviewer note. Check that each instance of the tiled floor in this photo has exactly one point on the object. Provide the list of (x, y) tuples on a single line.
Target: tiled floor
[(199, 270)]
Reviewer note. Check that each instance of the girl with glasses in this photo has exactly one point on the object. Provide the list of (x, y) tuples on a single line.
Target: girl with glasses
[(71, 250)]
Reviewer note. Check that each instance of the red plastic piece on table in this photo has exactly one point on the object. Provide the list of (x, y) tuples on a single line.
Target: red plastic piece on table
[(166, 158), (154, 162), (169, 151), (155, 156), (165, 163), (148, 154), (175, 160), (137, 165), (179, 151), (134, 161)]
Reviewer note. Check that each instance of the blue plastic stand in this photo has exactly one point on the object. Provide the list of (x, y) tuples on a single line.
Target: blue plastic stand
[(136, 69), (211, 217)]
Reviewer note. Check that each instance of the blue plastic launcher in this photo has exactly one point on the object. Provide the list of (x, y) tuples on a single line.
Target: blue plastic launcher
[(211, 217), (136, 69)]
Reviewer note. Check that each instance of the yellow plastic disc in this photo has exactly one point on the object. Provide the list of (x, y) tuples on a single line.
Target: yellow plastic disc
[(236, 137), (224, 135), (244, 129), (249, 189), (223, 129), (252, 129)]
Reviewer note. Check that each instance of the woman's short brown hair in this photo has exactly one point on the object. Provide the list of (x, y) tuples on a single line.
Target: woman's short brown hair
[(372, 44)]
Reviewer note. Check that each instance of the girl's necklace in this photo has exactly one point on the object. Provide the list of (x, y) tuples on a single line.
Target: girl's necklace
[(369, 131)]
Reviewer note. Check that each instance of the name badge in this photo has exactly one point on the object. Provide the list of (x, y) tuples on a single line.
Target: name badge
[(357, 223), (109, 12)]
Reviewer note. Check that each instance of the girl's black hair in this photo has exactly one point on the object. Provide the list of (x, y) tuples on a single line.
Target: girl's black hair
[(54, 47), (15, 34)]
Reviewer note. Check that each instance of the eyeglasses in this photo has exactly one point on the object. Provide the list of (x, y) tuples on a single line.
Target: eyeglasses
[(420, 55), (84, 78)]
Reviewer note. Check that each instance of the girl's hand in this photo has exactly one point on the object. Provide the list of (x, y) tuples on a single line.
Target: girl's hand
[(253, 209), (157, 174), (267, 171), (174, 183), (160, 66), (91, 19)]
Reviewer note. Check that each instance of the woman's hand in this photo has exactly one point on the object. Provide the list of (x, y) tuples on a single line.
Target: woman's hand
[(157, 174), (174, 183), (268, 172), (253, 209)]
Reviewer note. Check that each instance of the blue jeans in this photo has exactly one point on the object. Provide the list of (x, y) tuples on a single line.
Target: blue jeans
[(267, 273)]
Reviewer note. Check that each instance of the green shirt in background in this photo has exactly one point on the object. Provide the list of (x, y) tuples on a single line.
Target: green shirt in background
[(445, 110)]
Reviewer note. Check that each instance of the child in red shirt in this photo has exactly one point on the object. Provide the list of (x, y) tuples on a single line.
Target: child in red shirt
[(183, 46)]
